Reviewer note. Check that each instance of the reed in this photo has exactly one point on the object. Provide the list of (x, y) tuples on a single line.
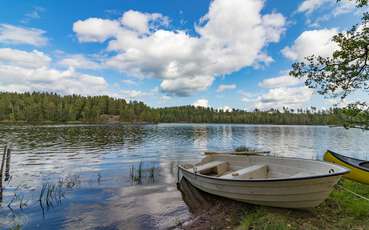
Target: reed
[(140, 174), (1, 172), (52, 194), (17, 199), (7, 164)]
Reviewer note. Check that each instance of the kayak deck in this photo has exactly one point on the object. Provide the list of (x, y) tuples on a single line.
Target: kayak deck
[(359, 168)]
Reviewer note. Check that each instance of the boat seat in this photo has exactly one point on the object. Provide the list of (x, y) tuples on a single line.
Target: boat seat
[(251, 172), (213, 167)]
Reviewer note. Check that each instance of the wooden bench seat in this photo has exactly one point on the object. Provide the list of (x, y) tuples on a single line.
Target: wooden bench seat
[(251, 172), (213, 167)]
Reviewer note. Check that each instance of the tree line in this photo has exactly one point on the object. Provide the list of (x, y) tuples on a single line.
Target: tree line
[(50, 107)]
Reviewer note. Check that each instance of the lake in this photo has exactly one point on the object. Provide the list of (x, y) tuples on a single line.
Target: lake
[(124, 176)]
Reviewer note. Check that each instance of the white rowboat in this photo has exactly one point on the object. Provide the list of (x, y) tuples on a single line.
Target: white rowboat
[(264, 180)]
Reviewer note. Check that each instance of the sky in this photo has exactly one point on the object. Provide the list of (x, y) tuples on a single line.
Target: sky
[(221, 53)]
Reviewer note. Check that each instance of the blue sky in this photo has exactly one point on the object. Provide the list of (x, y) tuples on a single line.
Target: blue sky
[(221, 53)]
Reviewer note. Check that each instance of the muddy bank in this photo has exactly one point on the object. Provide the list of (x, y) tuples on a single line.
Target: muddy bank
[(209, 211), (342, 210)]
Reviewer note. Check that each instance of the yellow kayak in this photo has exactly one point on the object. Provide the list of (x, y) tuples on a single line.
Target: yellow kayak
[(359, 168)]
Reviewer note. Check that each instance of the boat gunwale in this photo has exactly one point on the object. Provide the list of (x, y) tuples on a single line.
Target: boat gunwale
[(344, 171), (358, 166)]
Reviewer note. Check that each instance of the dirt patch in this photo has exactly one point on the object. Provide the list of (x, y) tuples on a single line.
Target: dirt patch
[(209, 211), (341, 210)]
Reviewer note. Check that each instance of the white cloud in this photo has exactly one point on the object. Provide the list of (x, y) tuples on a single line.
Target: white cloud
[(23, 71), (328, 9), (284, 97), (344, 7), (34, 14), (262, 60), (141, 22), (318, 42), (334, 8), (309, 6), (282, 81), (165, 98), (17, 57), (337, 102), (95, 29), (222, 88), (226, 108), (227, 41), (20, 79), (79, 61), (247, 97), (184, 86), (10, 34), (201, 103), (132, 94)]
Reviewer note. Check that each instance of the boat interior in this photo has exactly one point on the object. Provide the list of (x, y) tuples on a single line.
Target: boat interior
[(365, 164), (353, 161), (259, 167)]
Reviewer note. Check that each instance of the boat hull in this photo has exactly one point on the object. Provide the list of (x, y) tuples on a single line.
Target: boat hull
[(299, 193), (356, 173)]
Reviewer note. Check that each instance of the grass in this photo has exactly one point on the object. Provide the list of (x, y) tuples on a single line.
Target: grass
[(342, 210)]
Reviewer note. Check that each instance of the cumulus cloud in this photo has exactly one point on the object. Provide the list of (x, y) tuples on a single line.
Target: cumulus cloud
[(226, 41), (23, 71), (141, 22), (31, 59), (201, 103), (318, 42), (185, 87), (222, 88), (79, 61), (10, 34), (95, 29), (284, 97), (278, 82)]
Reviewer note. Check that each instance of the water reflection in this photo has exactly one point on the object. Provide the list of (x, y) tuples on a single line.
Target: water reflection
[(127, 173)]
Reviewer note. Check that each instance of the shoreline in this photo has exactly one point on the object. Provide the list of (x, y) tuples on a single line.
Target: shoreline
[(341, 210), (19, 123)]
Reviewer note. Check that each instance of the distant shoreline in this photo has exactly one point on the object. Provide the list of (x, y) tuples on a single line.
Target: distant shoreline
[(151, 123)]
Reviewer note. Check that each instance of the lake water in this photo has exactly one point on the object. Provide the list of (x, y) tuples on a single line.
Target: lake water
[(89, 177)]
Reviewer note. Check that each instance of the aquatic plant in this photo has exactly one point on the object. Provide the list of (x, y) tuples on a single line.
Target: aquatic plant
[(243, 148), (5, 162), (17, 199), (142, 174), (52, 194)]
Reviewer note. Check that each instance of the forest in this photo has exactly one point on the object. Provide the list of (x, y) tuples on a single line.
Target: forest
[(53, 108)]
